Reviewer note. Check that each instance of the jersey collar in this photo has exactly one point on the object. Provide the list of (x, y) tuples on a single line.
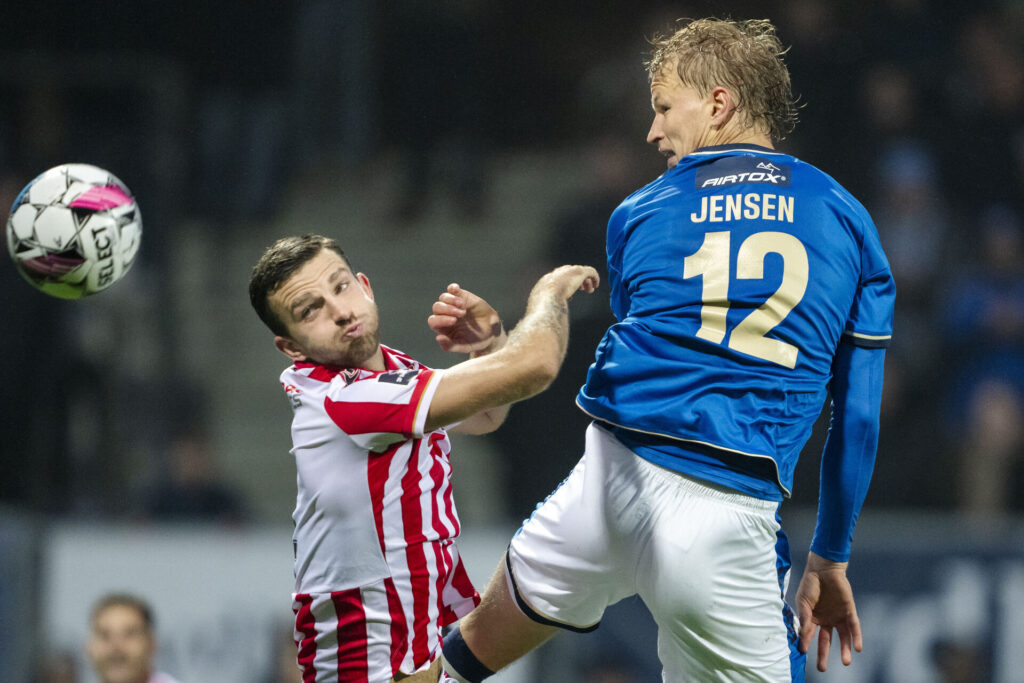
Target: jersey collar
[(717, 149)]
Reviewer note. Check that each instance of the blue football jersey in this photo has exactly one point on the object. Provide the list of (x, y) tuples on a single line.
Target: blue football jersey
[(734, 277)]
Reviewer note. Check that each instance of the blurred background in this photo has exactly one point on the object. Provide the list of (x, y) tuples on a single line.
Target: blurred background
[(145, 439)]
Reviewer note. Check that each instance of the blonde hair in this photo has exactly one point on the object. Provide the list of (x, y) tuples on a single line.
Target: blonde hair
[(745, 57)]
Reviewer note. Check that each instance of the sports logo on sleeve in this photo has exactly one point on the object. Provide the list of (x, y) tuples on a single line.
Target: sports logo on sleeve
[(734, 170), (398, 376)]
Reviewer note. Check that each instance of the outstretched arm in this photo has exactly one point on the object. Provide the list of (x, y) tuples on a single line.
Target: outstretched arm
[(526, 363), (824, 598)]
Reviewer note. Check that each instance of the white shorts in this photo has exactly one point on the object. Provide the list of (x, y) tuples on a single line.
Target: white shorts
[(393, 626), (704, 560)]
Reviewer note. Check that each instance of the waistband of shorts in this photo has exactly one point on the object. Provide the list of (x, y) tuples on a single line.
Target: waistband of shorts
[(710, 490)]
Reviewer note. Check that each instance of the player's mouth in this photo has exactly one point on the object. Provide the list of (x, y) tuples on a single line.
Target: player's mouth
[(354, 331), (668, 154)]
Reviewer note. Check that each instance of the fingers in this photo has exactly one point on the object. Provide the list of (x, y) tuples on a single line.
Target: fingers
[(590, 284), (807, 628), (845, 654), (441, 323), (570, 279), (449, 304), (824, 645), (446, 311), (849, 640), (590, 278)]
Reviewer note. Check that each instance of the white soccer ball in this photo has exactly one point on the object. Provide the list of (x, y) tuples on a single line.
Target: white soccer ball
[(74, 231)]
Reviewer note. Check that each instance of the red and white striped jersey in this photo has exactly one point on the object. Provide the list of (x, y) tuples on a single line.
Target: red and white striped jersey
[(372, 487)]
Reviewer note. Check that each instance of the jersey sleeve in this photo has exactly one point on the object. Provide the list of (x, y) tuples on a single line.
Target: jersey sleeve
[(870, 320), (849, 455), (379, 411)]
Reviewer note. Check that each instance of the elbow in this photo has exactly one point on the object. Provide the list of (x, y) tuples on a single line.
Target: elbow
[(861, 419)]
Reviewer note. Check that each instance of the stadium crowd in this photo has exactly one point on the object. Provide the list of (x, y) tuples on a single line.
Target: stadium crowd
[(916, 106)]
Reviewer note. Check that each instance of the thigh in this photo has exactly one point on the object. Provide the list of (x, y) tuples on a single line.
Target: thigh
[(361, 635), (711, 580), (571, 559), (344, 635)]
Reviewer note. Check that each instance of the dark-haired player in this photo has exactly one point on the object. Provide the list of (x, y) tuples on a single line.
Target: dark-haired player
[(377, 573)]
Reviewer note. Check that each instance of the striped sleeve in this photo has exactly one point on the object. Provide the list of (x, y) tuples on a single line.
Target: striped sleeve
[(385, 408)]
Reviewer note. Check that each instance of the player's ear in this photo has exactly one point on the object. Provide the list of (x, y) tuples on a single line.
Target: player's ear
[(364, 284), (289, 348), (723, 106)]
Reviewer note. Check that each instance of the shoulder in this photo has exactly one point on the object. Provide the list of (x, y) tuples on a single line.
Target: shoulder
[(812, 180)]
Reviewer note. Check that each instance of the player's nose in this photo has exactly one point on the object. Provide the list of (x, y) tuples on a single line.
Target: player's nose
[(339, 310), (654, 134)]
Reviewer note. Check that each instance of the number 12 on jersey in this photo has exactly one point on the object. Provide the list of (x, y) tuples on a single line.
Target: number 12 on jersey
[(712, 264)]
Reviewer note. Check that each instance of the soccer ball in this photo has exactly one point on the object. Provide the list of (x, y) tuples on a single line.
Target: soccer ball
[(74, 231)]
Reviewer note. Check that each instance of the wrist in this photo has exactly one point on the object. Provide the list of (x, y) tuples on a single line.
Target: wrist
[(816, 562), (498, 339)]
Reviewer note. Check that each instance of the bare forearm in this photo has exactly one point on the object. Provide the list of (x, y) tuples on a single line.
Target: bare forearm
[(544, 328), (489, 419), (522, 366)]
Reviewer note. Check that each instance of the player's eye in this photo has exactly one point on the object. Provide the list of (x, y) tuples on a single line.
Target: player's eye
[(308, 311)]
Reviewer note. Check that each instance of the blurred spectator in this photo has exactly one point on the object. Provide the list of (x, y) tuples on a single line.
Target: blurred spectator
[(912, 219), (192, 489), (122, 643), (985, 332), (889, 119)]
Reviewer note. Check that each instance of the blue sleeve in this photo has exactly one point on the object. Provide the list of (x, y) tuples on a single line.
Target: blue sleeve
[(870, 319), (849, 455)]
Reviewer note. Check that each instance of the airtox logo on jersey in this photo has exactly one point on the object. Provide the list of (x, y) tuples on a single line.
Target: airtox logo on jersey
[(739, 170)]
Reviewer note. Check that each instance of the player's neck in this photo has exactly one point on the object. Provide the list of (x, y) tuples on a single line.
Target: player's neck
[(376, 362), (734, 134)]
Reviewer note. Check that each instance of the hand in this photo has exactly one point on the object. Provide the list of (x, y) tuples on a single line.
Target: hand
[(463, 322), (825, 599), (565, 281)]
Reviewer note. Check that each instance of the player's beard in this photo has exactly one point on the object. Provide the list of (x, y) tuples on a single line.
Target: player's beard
[(359, 350)]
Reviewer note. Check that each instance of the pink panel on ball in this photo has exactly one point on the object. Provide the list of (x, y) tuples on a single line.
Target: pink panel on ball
[(100, 198), (51, 264)]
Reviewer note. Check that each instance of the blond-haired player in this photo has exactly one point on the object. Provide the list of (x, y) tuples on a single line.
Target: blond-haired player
[(748, 286)]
